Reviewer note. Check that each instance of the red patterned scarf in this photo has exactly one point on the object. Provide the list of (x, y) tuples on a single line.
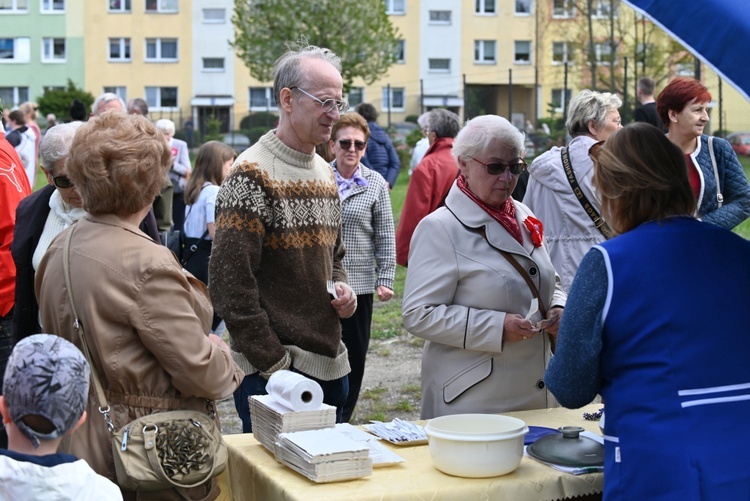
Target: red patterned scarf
[(505, 215)]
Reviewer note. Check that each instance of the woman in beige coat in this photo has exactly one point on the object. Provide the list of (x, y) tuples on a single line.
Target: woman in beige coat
[(486, 348), (145, 317)]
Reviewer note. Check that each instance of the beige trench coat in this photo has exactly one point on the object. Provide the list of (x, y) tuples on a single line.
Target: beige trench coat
[(146, 321), (458, 291)]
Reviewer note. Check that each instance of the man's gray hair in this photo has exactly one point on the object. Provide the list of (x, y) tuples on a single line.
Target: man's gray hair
[(443, 123), (165, 125), (56, 143), (104, 99), (287, 70), (586, 106), (137, 106), (481, 131)]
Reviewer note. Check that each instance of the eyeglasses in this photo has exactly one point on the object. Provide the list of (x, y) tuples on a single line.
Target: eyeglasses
[(346, 144), (497, 168), (329, 104), (62, 181)]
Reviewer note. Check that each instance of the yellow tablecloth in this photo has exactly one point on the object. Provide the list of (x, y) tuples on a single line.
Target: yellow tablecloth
[(254, 474)]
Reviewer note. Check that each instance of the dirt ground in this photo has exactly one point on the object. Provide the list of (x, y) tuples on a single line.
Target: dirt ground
[(391, 385)]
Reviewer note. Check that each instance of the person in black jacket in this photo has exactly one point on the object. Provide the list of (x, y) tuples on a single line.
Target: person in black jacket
[(646, 112), (380, 155)]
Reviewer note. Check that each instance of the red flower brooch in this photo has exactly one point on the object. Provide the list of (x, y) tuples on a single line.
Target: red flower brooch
[(535, 229)]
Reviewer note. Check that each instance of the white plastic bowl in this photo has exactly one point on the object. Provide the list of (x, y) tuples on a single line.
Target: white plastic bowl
[(476, 445)]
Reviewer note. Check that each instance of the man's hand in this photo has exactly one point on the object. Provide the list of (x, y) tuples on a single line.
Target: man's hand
[(384, 293), (346, 302)]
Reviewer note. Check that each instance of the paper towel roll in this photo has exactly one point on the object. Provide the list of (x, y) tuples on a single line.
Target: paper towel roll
[(294, 391)]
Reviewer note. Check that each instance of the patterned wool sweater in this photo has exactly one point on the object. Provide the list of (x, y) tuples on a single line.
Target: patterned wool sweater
[(278, 240)]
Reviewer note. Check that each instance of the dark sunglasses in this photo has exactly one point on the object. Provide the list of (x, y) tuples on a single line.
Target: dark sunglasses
[(347, 144), (62, 182), (497, 168)]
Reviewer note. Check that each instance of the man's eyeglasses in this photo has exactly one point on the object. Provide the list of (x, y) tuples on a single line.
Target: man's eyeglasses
[(347, 143), (62, 181), (497, 168), (329, 104)]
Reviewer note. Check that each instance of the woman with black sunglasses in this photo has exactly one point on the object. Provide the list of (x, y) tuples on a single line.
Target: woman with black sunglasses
[(480, 287), (369, 236)]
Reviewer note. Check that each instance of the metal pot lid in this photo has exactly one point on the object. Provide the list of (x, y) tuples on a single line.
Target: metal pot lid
[(567, 448)]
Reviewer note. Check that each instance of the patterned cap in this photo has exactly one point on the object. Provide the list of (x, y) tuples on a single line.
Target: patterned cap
[(46, 376)]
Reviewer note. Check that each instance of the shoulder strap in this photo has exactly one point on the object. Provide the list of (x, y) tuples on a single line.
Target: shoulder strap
[(600, 223), (78, 327), (719, 196)]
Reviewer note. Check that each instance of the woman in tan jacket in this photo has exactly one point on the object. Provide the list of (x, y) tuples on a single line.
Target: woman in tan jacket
[(146, 318)]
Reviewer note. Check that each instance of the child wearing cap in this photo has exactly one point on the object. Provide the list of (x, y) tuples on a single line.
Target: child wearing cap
[(46, 387)]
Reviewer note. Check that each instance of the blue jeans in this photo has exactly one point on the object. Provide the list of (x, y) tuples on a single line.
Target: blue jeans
[(334, 393)]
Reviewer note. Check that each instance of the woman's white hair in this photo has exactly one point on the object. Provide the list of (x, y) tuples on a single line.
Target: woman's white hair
[(165, 125), (586, 106), (56, 143), (479, 132)]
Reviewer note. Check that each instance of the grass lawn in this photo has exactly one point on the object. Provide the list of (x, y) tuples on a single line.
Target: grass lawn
[(744, 227)]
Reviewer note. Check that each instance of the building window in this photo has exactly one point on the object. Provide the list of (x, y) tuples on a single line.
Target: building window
[(401, 52), (396, 100), (602, 9), (440, 65), (53, 6), (563, 9), (484, 51), (684, 69), (15, 50), (261, 99), (218, 16), (161, 49), (356, 96), (485, 6), (121, 92), (644, 52), (213, 64), (560, 98), (562, 52), (119, 49), (53, 50), (603, 51), (13, 96), (395, 7), (161, 97), (162, 6), (440, 17), (119, 5), (14, 6), (522, 53), (523, 7)]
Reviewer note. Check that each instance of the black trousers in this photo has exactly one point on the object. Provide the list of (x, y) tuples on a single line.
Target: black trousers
[(6, 347), (178, 211), (355, 331)]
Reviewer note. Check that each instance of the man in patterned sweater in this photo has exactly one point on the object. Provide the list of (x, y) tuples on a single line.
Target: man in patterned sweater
[(278, 240)]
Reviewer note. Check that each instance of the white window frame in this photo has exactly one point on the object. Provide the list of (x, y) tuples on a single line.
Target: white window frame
[(395, 91), (395, 7), (431, 69), (563, 98), (401, 52), (684, 69), (270, 101), (155, 104), (516, 52), (567, 53), (48, 7), (209, 20), (221, 69), (601, 49), (565, 11), (120, 90), (361, 91), (159, 42), (48, 50), (14, 9), (21, 50), (20, 95), (123, 43), (529, 5), (480, 7), (480, 52), (161, 9), (601, 9), (126, 7), (440, 13)]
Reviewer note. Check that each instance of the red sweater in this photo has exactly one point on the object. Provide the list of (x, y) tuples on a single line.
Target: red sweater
[(429, 184)]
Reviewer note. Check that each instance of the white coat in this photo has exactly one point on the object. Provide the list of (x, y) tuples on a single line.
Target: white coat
[(457, 293)]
